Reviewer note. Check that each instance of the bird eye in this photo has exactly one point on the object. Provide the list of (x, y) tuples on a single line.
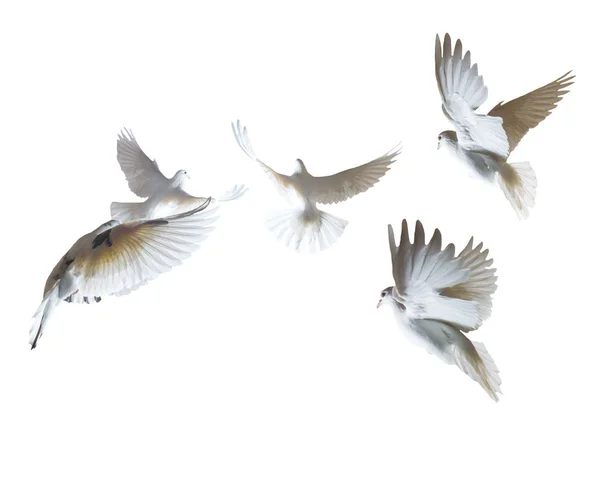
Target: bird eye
[(439, 137), (383, 293)]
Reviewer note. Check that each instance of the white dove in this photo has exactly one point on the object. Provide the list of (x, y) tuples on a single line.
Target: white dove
[(116, 259), (485, 141), (304, 226), (165, 196), (436, 296)]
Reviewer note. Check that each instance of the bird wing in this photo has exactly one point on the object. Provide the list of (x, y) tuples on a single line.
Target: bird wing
[(127, 256), (463, 91), (142, 174), (422, 271), (282, 182), (526, 112), (351, 182), (454, 74), (481, 283)]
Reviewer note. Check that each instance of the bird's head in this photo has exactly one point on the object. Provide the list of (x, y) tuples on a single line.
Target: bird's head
[(446, 137), (385, 296), (299, 166), (180, 178)]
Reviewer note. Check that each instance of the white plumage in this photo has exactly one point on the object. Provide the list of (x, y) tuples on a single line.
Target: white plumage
[(485, 141), (116, 259), (165, 196), (437, 296), (304, 226)]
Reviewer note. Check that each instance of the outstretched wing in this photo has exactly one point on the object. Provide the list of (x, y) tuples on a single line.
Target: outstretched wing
[(481, 283), (282, 182), (125, 257), (463, 91), (349, 183), (423, 271), (142, 173), (526, 112), (454, 74)]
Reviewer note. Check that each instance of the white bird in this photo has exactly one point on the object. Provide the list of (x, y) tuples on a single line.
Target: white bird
[(165, 196), (437, 297), (485, 141), (304, 226), (116, 259)]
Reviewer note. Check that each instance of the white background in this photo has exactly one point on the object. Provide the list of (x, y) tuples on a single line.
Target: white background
[(249, 360)]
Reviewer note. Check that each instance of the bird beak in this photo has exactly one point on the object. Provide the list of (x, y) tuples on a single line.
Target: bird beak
[(379, 303), (439, 145)]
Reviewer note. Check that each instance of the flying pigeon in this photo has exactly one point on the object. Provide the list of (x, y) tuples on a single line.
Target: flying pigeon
[(164, 196), (304, 226), (485, 141), (437, 297), (117, 258)]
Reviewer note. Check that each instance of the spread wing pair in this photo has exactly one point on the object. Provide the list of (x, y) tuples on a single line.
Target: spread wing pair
[(437, 296), (304, 226), (486, 141), (165, 196), (117, 258)]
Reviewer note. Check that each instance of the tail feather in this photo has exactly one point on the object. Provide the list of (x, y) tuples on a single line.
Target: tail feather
[(304, 231), (518, 182), (43, 313), (477, 363), (234, 193), (124, 212)]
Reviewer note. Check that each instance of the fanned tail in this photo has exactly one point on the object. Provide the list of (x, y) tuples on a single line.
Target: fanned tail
[(477, 363), (124, 212), (42, 315), (306, 231), (234, 193), (518, 182)]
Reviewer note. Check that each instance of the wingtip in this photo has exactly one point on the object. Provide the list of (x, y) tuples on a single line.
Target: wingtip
[(419, 233), (404, 235), (127, 136)]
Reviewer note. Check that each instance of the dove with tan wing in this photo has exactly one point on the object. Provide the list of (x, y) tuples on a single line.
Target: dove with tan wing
[(116, 259), (485, 141)]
